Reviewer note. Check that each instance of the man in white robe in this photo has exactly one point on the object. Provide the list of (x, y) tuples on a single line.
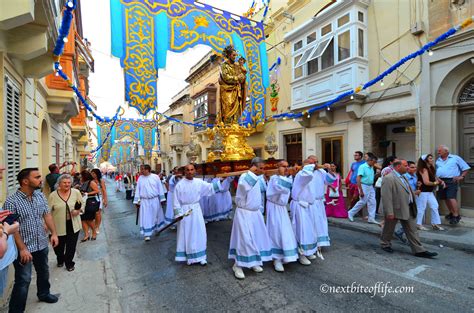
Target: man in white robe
[(283, 241), (263, 190), (148, 197), (220, 204), (204, 203), (249, 241), (302, 217), (192, 238), (321, 178), (172, 181)]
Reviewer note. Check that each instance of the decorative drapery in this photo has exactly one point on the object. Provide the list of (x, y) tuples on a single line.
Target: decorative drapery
[(126, 133), (144, 30)]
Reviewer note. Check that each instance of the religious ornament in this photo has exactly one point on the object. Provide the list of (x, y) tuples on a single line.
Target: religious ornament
[(271, 146), (194, 150), (275, 88)]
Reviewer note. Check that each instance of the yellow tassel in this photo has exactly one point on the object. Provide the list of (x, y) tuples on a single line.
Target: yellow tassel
[(358, 89), (56, 58), (467, 22)]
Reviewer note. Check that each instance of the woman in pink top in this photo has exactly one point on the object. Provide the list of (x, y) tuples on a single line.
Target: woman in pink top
[(335, 206)]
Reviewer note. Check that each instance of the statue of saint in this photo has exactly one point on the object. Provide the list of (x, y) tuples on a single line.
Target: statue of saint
[(231, 87)]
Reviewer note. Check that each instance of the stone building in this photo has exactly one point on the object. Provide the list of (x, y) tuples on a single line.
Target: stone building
[(330, 47), (174, 137), (42, 120)]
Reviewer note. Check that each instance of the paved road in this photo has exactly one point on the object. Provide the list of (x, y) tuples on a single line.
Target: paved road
[(149, 280)]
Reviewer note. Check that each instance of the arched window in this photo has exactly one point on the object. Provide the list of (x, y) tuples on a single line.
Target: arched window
[(467, 93)]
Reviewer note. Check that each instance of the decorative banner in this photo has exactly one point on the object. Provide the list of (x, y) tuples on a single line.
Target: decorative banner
[(144, 30), (126, 133)]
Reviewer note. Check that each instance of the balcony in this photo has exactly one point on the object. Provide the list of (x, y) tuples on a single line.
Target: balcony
[(177, 140), (79, 125), (28, 32), (84, 57), (62, 105)]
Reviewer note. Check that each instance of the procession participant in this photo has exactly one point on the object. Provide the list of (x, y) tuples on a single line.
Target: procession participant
[(263, 191), (302, 198), (282, 238), (192, 238), (321, 178), (172, 181), (148, 195), (204, 203), (249, 241), (220, 204)]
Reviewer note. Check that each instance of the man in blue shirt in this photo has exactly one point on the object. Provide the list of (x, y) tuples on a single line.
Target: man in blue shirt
[(353, 189), (452, 169), (365, 182)]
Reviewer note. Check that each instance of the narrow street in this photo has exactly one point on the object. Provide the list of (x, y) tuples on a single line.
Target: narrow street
[(149, 280)]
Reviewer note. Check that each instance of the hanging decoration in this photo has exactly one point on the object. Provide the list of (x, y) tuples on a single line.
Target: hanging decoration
[(143, 31), (132, 131), (274, 86)]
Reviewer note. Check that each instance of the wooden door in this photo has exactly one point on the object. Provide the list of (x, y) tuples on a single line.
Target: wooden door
[(467, 153)]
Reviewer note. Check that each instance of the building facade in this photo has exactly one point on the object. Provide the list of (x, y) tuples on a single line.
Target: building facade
[(330, 47), (42, 120)]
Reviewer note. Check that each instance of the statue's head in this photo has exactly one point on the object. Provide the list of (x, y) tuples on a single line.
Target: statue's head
[(230, 53)]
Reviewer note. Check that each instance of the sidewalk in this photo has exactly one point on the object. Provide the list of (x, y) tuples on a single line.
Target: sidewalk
[(89, 288), (459, 237)]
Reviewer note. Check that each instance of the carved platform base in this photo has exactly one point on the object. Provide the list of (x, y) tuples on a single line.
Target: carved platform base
[(234, 144)]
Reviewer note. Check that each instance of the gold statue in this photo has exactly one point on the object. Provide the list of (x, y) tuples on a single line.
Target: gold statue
[(232, 87)]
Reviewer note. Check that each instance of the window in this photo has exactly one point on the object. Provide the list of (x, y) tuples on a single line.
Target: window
[(298, 45), (344, 46), (304, 58), (326, 29), (200, 106), (361, 42), (298, 72), (319, 50), (310, 38), (327, 59), (343, 20), (360, 16), (312, 66), (12, 131), (294, 148)]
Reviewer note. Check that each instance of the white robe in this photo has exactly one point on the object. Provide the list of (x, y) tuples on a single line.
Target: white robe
[(204, 202), (302, 212), (169, 215), (282, 238), (263, 191), (149, 194), (220, 204), (320, 179), (249, 241), (192, 238)]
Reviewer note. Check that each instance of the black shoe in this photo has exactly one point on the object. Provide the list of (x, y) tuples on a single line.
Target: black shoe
[(387, 249), (449, 216), (49, 299), (426, 254), (60, 264), (457, 219)]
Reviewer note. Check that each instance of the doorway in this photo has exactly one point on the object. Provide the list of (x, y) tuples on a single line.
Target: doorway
[(466, 152)]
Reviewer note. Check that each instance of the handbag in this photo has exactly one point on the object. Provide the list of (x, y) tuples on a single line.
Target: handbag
[(378, 183), (334, 193)]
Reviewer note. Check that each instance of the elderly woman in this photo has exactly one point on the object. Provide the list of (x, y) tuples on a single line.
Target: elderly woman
[(65, 204)]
